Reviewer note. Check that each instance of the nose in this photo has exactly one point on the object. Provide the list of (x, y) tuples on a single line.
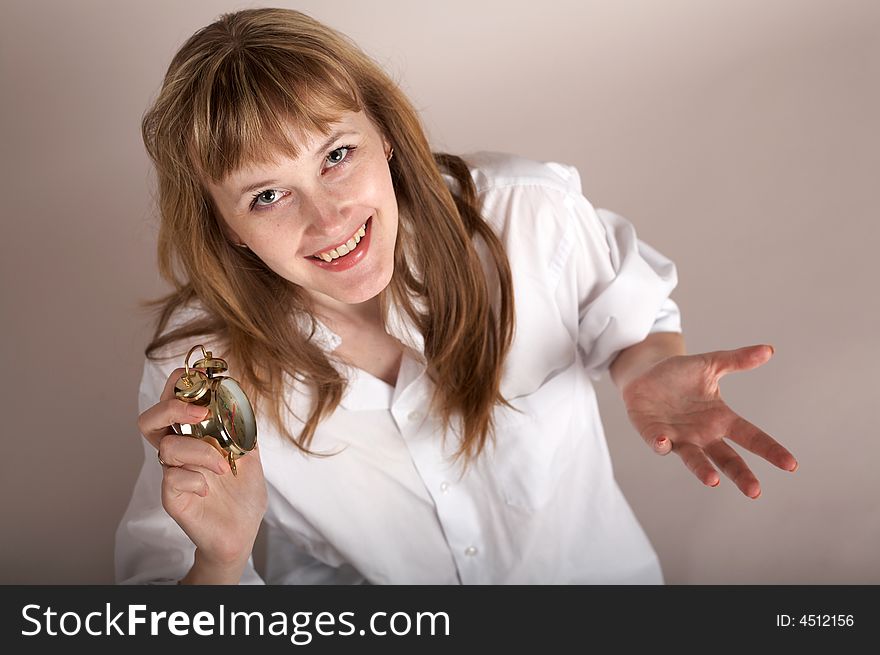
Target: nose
[(326, 214)]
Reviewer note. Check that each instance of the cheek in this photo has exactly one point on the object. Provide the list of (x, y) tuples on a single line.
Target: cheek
[(374, 188), (275, 244), (280, 236)]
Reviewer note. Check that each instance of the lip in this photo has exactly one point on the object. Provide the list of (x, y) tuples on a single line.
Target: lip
[(341, 243), (347, 261)]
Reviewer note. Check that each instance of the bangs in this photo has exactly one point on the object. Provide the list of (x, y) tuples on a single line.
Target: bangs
[(248, 110)]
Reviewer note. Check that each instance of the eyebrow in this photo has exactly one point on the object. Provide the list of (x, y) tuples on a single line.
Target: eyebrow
[(318, 150)]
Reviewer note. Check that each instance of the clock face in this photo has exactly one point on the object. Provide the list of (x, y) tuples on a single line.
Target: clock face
[(237, 414)]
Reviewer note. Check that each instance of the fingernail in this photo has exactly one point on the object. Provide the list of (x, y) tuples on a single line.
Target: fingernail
[(195, 411), (795, 468), (222, 467), (660, 443), (772, 349)]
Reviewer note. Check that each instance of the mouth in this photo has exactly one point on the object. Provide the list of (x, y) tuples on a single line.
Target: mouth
[(343, 249), (347, 254)]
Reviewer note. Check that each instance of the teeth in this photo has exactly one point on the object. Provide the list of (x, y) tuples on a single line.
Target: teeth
[(345, 248)]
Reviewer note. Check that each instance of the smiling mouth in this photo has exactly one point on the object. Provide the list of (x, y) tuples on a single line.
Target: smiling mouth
[(343, 248)]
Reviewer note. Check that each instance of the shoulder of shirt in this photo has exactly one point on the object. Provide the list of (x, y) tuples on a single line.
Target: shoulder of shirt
[(552, 195), (536, 208), (497, 170)]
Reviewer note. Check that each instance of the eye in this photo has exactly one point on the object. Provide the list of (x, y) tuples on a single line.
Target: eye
[(339, 156), (268, 197), (336, 158)]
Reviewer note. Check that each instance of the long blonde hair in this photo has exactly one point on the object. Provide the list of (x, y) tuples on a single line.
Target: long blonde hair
[(226, 98)]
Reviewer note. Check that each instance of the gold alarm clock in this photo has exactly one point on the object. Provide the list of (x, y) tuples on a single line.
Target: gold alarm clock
[(230, 425)]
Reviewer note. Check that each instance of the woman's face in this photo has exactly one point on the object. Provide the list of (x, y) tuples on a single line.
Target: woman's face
[(326, 221)]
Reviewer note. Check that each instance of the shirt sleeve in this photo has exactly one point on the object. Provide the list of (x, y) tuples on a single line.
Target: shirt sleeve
[(151, 548), (624, 296), (620, 284)]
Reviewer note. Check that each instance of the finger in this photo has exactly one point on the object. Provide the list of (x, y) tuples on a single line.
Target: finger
[(759, 442), (178, 481), (155, 422), (698, 463), (662, 445), (659, 438), (734, 467), (740, 359), (176, 450)]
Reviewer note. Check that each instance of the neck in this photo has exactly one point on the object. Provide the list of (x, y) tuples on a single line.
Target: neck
[(333, 311)]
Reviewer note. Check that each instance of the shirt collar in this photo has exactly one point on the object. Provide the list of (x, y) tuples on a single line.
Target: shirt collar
[(400, 326), (364, 391), (397, 323), (323, 337)]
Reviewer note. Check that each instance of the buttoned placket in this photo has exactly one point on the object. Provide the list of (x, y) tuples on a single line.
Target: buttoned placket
[(410, 398), (455, 509)]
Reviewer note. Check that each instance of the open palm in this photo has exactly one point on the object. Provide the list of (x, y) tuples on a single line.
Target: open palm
[(676, 405)]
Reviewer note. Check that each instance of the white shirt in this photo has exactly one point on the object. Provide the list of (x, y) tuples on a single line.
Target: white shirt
[(542, 506)]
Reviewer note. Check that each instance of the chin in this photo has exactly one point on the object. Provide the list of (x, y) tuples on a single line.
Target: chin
[(363, 293)]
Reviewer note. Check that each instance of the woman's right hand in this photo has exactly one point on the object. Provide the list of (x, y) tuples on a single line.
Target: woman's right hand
[(220, 512)]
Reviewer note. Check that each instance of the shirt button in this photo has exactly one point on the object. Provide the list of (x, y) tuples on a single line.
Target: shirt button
[(444, 487), (414, 416), (470, 551)]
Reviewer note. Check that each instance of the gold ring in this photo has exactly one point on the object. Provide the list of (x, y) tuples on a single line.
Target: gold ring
[(161, 461)]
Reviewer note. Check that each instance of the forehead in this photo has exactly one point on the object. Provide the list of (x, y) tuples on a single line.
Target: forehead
[(304, 143), (253, 134), (295, 143)]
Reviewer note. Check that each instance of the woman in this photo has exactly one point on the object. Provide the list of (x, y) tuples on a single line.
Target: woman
[(417, 333)]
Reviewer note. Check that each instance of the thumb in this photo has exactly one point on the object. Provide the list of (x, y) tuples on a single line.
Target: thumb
[(659, 440), (740, 359)]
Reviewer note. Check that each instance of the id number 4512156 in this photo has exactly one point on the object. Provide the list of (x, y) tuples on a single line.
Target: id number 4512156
[(815, 620)]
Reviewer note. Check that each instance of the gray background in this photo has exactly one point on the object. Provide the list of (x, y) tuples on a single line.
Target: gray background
[(740, 136)]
